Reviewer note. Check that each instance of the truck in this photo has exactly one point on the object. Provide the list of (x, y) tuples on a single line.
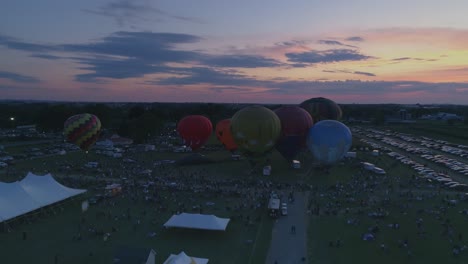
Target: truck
[(274, 205)]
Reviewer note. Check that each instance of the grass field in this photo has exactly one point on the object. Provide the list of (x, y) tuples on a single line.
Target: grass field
[(51, 235), (434, 247)]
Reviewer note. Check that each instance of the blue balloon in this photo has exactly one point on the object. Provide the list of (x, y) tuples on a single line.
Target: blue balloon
[(329, 141)]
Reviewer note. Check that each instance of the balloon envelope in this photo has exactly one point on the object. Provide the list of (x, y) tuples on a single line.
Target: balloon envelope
[(255, 129), (329, 141), (322, 109), (82, 130), (195, 130), (224, 135), (295, 123)]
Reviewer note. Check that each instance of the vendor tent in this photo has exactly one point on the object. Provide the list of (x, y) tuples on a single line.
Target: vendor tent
[(46, 190), (182, 258), (15, 201), (197, 221), (31, 193)]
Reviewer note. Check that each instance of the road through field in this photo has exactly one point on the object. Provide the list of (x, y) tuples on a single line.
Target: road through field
[(290, 247)]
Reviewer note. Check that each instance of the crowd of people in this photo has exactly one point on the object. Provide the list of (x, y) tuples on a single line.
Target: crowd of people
[(406, 206), (374, 204)]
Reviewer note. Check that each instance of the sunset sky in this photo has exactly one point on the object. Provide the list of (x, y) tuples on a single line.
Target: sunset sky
[(275, 51)]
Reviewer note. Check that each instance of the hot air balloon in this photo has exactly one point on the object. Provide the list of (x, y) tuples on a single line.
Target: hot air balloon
[(82, 130), (322, 109), (329, 141), (255, 130), (224, 135), (195, 130), (295, 123)]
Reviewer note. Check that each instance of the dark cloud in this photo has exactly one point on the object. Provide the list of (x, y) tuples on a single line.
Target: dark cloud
[(126, 54), (242, 61), (292, 43), (18, 77), (326, 56), (410, 58), (350, 72), (7, 87), (106, 67), (154, 47), (133, 54), (330, 42), (45, 56), (13, 43), (335, 43), (364, 73), (299, 65), (401, 59), (355, 38), (131, 12), (141, 53), (205, 75)]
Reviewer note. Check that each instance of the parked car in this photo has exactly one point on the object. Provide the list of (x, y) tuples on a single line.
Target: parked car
[(284, 209)]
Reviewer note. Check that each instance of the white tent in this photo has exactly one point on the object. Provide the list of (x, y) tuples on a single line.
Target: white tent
[(46, 190), (31, 193), (182, 258), (14, 201), (198, 221)]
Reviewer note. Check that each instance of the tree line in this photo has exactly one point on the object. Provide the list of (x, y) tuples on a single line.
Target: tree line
[(141, 121)]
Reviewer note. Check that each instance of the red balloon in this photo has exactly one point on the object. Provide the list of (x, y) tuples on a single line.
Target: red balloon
[(295, 121), (224, 135), (295, 124), (195, 130)]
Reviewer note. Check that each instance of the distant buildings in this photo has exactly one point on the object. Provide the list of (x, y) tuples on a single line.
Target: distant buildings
[(114, 141), (443, 116), (402, 116)]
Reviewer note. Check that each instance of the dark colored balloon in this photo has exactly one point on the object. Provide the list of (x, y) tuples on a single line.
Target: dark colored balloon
[(322, 109), (329, 141), (295, 123), (195, 130), (224, 135), (82, 130), (255, 130)]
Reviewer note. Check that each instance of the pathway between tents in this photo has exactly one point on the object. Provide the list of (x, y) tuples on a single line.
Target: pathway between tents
[(286, 247)]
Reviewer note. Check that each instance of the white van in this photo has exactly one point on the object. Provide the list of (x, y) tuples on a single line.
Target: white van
[(284, 209), (296, 164)]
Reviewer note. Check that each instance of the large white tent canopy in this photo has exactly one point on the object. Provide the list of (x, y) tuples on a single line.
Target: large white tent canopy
[(198, 221), (14, 201), (31, 193), (182, 258)]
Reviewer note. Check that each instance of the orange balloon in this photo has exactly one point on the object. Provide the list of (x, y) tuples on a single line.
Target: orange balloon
[(224, 135)]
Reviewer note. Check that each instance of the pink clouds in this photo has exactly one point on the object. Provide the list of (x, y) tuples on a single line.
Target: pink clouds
[(449, 38)]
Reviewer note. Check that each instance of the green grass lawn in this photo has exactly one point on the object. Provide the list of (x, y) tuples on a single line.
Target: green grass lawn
[(51, 235), (432, 248)]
